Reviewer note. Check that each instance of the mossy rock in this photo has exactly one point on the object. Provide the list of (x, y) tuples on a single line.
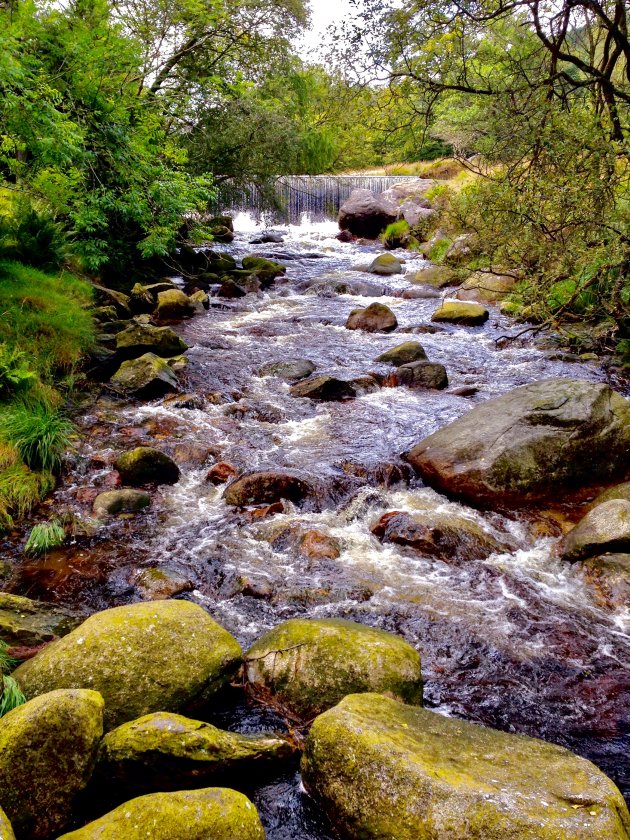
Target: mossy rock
[(306, 666), (484, 287), (267, 487), (147, 377), (28, 623), (423, 374), (158, 656), (47, 752), (291, 370), (619, 491), (156, 584), (139, 339), (209, 814), (606, 528), (463, 313), (408, 351), (261, 266), (324, 389), (110, 297), (173, 304), (141, 300), (162, 751), (384, 770), (145, 465), (373, 318), (385, 265), (438, 276), (125, 500), (6, 830)]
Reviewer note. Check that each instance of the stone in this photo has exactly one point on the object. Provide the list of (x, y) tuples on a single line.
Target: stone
[(608, 576), (139, 339), (463, 313), (174, 304), (460, 251), (147, 377), (141, 300), (385, 264), (292, 370), (264, 269), (110, 297), (373, 318), (221, 233), (317, 545), (231, 290), (308, 665), (408, 351), (221, 473), (48, 749), (155, 288), (28, 623), (156, 584), (438, 276), (145, 465), (267, 487), (484, 287), (366, 214), (142, 658), (208, 814), (164, 751), (362, 385), (420, 293), (323, 388), (551, 436), (606, 528), (120, 501), (422, 374), (619, 491), (381, 769), (6, 830), (200, 300)]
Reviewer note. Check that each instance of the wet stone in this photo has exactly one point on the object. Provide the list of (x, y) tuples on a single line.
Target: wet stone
[(423, 374), (291, 370), (121, 501), (221, 473), (28, 623), (147, 377), (157, 583), (324, 388), (464, 314), (374, 318), (266, 488), (145, 465), (606, 528)]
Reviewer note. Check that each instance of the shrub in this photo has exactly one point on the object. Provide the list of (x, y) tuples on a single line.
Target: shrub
[(32, 237), (39, 433), (44, 537), (14, 373)]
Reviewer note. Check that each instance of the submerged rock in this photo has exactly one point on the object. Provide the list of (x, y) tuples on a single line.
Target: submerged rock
[(549, 436), (174, 304), (374, 318), (408, 351), (158, 656), (324, 388), (385, 265), (162, 752), (209, 814), (139, 339), (27, 623), (422, 374), (120, 501), (306, 666), (291, 370), (47, 752), (604, 529), (466, 314), (381, 769), (145, 465), (146, 377), (267, 487)]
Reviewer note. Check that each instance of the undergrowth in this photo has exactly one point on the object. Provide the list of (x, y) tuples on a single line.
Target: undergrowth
[(45, 537), (11, 695)]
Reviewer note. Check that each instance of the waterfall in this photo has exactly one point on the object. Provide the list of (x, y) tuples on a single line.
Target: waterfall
[(319, 196)]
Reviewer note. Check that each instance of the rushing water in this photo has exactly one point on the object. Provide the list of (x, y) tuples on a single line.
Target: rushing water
[(518, 641)]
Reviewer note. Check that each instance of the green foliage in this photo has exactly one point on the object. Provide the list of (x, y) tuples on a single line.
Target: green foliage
[(7, 662), (21, 490), (44, 537), (38, 432), (15, 376), (438, 250), (32, 237), (12, 695)]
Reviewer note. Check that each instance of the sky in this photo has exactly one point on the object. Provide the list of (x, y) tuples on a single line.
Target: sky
[(323, 14)]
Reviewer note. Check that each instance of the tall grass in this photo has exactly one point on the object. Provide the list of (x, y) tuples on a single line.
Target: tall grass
[(11, 695), (38, 432), (44, 537)]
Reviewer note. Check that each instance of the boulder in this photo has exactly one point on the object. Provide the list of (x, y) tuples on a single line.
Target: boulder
[(147, 377), (460, 251), (606, 528), (162, 752), (27, 623), (422, 374), (200, 300), (162, 286), (619, 491), (218, 263), (447, 536), (47, 752), (609, 578), (291, 370), (156, 584), (222, 233), (410, 198), (529, 444), (209, 814), (317, 545), (366, 214), (145, 465), (263, 488), (420, 293), (385, 265), (323, 388), (466, 314), (374, 318), (110, 297), (6, 831), (158, 656), (174, 304), (438, 276), (362, 385), (485, 287), (139, 339), (402, 354), (125, 500), (381, 769), (231, 290), (266, 270), (307, 665)]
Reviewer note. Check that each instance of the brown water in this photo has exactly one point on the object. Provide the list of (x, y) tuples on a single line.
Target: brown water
[(518, 641)]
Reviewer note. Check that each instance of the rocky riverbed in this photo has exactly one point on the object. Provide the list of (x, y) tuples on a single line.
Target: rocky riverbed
[(287, 384)]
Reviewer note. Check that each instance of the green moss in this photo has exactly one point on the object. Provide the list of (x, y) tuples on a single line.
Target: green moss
[(456, 312), (6, 831), (438, 250)]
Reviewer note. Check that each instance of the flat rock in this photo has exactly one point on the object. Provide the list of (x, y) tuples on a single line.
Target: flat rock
[(291, 370), (373, 318), (606, 528), (463, 313), (139, 339)]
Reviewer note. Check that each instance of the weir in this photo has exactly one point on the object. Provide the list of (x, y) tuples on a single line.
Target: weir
[(318, 196)]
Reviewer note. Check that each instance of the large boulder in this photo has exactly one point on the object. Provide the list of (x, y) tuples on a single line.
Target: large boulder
[(373, 318), (163, 751), (209, 814), (47, 752), (173, 304), (463, 313), (124, 500), (291, 370), (529, 444), (324, 389), (27, 623), (367, 214), (306, 665), (384, 770), (146, 465), (604, 529), (139, 339), (618, 491), (6, 830), (402, 354), (147, 377), (385, 265), (267, 487), (422, 374), (110, 297), (159, 656), (484, 287)]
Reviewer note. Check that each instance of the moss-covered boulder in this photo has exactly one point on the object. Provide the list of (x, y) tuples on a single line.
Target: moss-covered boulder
[(308, 665), (324, 389), (110, 297), (47, 752), (438, 276), (393, 772), (6, 830), (402, 354), (145, 465), (291, 370), (619, 491), (139, 339), (263, 488), (604, 529), (265, 269), (462, 313), (124, 500), (174, 304), (209, 814), (158, 656), (147, 377), (373, 318), (164, 751), (551, 436), (27, 623), (386, 264), (423, 374)]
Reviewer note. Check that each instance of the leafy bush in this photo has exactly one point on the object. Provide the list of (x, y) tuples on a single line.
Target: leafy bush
[(39, 433), (44, 537), (32, 237), (14, 373)]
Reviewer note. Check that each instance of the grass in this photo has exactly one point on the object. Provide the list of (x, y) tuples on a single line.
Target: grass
[(38, 432), (44, 537), (11, 697), (438, 251), (21, 489)]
